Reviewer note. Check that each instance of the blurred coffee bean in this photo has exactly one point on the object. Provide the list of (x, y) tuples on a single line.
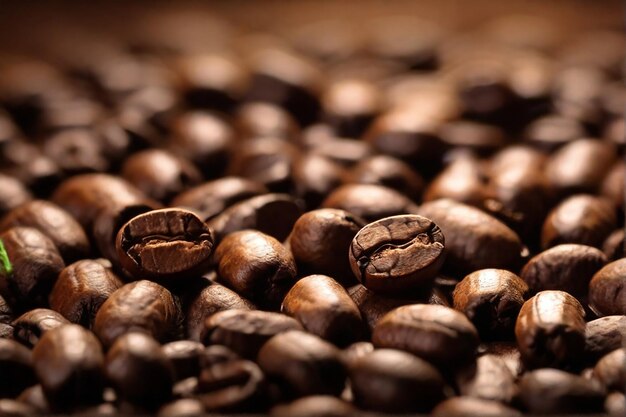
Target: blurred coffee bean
[(604, 335), (35, 397), (141, 306), (615, 404), (186, 407), (389, 172), (473, 407), (355, 351), (350, 105), (29, 165), (461, 180), (214, 354), (184, 355), (611, 370), (576, 91), (12, 193), (76, 151), (614, 184), (30, 327), (553, 131), (489, 378), (491, 299), (16, 367), (265, 120), (482, 138), (245, 331), (256, 265), (345, 152), (315, 176), (410, 384), (508, 352), (606, 289), (314, 406), (13, 408), (550, 330)]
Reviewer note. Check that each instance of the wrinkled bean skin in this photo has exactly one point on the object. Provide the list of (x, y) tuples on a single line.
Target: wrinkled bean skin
[(604, 335), (607, 289)]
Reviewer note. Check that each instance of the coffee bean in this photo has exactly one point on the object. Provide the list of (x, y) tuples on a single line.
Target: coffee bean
[(606, 289), (138, 306), (314, 405), (567, 267), (550, 330), (302, 364), (12, 193), (350, 105), (611, 370), (320, 240), (16, 368), (76, 150), (615, 404), (13, 408), (478, 137), (186, 388), (184, 355), (256, 265), (325, 309), (604, 335), (245, 331), (389, 172), (186, 407), (30, 327), (439, 334), (613, 184), (552, 391), (473, 407), (68, 361), (508, 352), (488, 379), (553, 131), (34, 396), (345, 152), (614, 247), (355, 351), (81, 289), (461, 180), (6, 312), (26, 162), (315, 177), (165, 245), (474, 239), (215, 354), (265, 120), (411, 384), (491, 299), (139, 371)]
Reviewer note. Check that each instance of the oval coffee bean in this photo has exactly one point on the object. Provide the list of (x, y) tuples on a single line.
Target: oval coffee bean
[(138, 306), (398, 253), (491, 299), (315, 177), (392, 381), (35, 397), (186, 407), (611, 370), (488, 379), (473, 407), (603, 336), (389, 172), (68, 361), (29, 328), (441, 335), (184, 355), (16, 368), (607, 289), (508, 352), (615, 404), (614, 247), (550, 330), (257, 266), (314, 406), (355, 351), (13, 408), (461, 181), (325, 309), (12, 194)]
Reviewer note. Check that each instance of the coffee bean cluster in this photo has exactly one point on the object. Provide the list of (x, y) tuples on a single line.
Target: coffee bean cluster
[(396, 219)]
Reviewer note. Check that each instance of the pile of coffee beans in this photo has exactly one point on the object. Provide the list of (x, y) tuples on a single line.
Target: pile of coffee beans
[(395, 218)]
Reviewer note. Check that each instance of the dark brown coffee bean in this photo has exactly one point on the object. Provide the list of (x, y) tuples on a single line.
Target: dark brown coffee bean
[(551, 391), (35, 397), (215, 354), (12, 193), (611, 370), (81, 289), (370, 202), (245, 331), (478, 137), (614, 247), (397, 253), (65, 232), (439, 334), (325, 309), (411, 384), (6, 312), (488, 379), (550, 330), (508, 352), (473, 407), (139, 371), (30, 327), (462, 181), (345, 152), (13, 408), (389, 172), (265, 120), (583, 219), (165, 245), (184, 355), (615, 404), (320, 240), (16, 368), (355, 351), (302, 364), (491, 299), (315, 177), (552, 131), (272, 214), (567, 267), (186, 407), (213, 197), (350, 105), (256, 265), (614, 184), (68, 361), (604, 335), (575, 91), (607, 288), (314, 406), (138, 306), (187, 388), (474, 239), (30, 265), (76, 150), (26, 162)]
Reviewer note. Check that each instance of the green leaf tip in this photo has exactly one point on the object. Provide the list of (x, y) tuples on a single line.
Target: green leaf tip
[(5, 263)]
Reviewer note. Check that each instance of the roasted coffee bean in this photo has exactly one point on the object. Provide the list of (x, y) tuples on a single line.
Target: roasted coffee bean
[(614, 184), (314, 406), (245, 331), (615, 404), (138, 306), (614, 247), (355, 351), (345, 152), (272, 214), (66, 233), (604, 335), (81, 289), (478, 137), (611, 370), (474, 239), (211, 299), (6, 312), (139, 370), (76, 151), (397, 253), (16, 368), (350, 105), (30, 327), (325, 309), (35, 397), (607, 288), (489, 378), (302, 364), (215, 354), (265, 120), (184, 355), (389, 172), (213, 197), (315, 177), (582, 219), (30, 265), (68, 361), (461, 181), (256, 265), (552, 391), (233, 386), (13, 408), (26, 162), (187, 388), (370, 202), (567, 267), (491, 299), (410, 384), (553, 131), (12, 193), (165, 245), (473, 407), (160, 174), (508, 352), (320, 240), (186, 407), (550, 330), (439, 334)]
